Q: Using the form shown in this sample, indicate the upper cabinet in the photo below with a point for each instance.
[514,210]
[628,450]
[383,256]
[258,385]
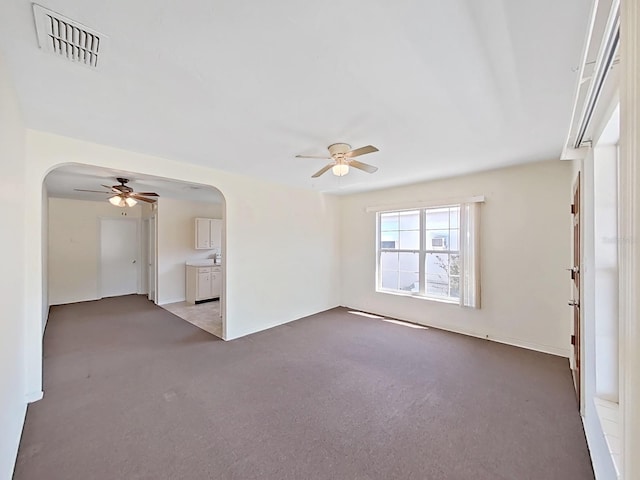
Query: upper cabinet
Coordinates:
[208,233]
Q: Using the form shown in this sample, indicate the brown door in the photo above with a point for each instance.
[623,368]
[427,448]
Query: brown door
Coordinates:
[575,276]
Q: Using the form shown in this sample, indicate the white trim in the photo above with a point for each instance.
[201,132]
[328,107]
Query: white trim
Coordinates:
[172,300]
[538,347]
[609,417]
[629,228]
[34,396]
[394,207]
[514,342]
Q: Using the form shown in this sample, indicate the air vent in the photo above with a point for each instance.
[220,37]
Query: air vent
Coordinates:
[67,38]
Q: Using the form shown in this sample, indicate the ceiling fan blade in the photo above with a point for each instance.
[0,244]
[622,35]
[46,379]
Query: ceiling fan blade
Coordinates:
[313,156]
[147,194]
[322,170]
[92,191]
[361,151]
[363,166]
[141,198]
[112,188]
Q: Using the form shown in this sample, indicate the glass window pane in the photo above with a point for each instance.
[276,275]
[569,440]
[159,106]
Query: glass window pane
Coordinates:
[389,261]
[455,217]
[437,274]
[389,240]
[454,265]
[437,219]
[455,287]
[388,221]
[390,279]
[455,244]
[409,262]
[437,289]
[410,220]
[409,282]
[410,240]
[437,240]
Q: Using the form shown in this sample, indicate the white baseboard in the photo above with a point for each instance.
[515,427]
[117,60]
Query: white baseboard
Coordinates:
[11,434]
[34,396]
[550,349]
[172,300]
[538,347]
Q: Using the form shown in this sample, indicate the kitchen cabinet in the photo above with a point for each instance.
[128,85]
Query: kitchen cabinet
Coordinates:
[203,283]
[208,233]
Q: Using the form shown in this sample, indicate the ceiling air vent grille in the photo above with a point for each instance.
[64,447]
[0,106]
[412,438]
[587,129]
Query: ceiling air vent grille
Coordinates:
[68,38]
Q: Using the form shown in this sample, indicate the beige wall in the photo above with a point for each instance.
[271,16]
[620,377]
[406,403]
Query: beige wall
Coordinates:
[525,247]
[74,247]
[176,243]
[12,258]
[282,255]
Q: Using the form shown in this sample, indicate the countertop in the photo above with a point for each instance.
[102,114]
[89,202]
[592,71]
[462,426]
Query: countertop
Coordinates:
[203,263]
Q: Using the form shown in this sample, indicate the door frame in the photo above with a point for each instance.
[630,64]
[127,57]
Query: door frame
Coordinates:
[576,277]
[153,239]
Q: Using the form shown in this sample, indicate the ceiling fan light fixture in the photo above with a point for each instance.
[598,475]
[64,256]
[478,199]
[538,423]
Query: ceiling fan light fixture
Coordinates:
[117,201]
[340,170]
[130,202]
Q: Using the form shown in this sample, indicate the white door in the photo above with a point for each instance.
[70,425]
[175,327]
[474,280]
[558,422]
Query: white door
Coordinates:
[118,256]
[151,260]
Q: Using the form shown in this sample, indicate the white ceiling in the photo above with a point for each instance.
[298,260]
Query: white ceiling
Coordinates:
[440,87]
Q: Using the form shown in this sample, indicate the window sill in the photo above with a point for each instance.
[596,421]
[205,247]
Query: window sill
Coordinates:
[450,301]
[608,414]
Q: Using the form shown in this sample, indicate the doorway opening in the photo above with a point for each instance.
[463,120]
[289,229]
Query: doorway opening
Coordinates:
[99,249]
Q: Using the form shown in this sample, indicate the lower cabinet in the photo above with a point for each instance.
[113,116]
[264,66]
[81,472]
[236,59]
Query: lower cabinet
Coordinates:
[203,283]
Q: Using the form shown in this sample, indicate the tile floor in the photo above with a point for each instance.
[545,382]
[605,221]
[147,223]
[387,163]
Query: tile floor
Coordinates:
[204,315]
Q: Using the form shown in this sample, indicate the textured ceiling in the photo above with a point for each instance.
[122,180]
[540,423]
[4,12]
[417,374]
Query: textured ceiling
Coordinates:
[440,87]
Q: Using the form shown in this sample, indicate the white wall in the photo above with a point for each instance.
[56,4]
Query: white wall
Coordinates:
[12,258]
[176,243]
[282,243]
[524,244]
[74,247]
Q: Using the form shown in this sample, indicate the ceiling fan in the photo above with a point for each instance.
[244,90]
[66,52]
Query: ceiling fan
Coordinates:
[342,158]
[123,195]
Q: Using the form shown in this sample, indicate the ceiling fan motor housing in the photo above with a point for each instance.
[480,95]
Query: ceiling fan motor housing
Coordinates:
[122,187]
[339,149]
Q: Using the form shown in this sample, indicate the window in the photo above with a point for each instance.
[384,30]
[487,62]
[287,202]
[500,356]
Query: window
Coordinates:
[422,252]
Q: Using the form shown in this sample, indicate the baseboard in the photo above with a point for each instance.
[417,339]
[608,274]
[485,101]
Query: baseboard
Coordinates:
[172,300]
[538,347]
[11,435]
[34,396]
[515,342]
[46,320]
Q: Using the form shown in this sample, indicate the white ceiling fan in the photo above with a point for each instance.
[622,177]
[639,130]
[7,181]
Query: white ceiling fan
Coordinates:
[342,158]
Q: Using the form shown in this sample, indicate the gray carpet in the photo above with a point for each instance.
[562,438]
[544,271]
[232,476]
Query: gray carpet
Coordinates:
[133,392]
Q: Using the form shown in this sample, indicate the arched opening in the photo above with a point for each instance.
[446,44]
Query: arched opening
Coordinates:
[98,247]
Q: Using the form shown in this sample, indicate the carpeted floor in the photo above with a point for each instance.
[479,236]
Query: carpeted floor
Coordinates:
[133,392]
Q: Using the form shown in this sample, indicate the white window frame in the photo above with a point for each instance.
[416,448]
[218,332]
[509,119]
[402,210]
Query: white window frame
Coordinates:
[468,246]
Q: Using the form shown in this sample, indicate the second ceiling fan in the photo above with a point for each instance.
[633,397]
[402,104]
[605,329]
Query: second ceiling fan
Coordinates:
[123,195]
[341,156]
